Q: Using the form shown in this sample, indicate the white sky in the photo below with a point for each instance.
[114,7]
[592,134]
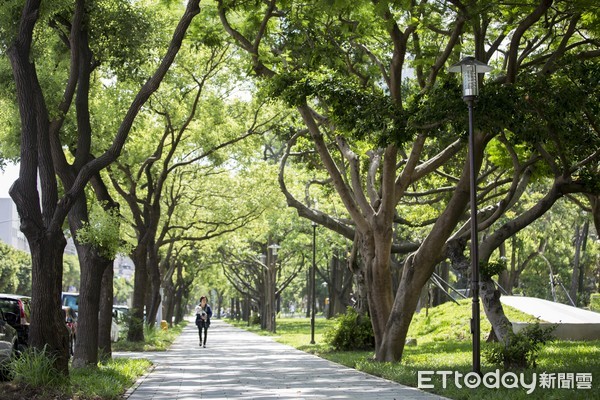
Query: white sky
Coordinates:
[7,177]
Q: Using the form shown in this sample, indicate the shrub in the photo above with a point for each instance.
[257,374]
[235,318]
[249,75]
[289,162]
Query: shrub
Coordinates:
[351,331]
[595,302]
[255,319]
[519,350]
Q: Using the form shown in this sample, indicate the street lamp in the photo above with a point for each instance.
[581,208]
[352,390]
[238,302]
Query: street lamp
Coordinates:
[272,279]
[470,69]
[312,284]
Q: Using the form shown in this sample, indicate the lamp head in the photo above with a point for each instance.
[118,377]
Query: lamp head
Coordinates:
[274,247]
[469,67]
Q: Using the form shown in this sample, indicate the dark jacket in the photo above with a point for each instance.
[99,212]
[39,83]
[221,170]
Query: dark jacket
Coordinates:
[200,322]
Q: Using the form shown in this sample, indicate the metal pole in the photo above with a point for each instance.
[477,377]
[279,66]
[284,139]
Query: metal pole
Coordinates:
[273,280]
[312,286]
[475,321]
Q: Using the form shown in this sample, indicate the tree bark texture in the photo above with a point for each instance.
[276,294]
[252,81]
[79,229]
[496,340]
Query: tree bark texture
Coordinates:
[135,331]
[105,316]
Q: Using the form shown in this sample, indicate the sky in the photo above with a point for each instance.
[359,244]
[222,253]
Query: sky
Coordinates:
[7,177]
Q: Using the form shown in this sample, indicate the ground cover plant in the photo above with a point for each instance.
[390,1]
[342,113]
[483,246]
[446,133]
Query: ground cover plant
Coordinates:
[443,343]
[33,378]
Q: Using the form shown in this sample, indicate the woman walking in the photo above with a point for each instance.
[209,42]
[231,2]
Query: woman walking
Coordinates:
[203,314]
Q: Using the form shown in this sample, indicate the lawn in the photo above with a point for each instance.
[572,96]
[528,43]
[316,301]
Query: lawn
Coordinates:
[444,344]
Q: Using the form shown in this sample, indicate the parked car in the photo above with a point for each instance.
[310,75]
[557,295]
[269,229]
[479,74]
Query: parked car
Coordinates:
[70,299]
[120,313]
[9,341]
[17,312]
[71,323]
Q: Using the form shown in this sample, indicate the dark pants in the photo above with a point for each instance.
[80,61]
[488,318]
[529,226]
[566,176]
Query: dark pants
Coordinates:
[203,327]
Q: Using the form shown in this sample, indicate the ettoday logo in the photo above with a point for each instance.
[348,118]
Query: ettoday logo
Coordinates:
[509,380]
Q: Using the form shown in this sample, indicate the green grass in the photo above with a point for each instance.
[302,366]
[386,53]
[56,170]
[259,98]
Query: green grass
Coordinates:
[33,377]
[155,339]
[444,344]
[108,381]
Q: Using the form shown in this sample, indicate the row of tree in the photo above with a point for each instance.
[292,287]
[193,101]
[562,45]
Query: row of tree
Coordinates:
[157,133]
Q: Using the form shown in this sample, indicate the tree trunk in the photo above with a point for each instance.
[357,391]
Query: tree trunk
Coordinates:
[169,301]
[92,269]
[48,329]
[105,317]
[136,322]
[154,298]
[405,304]
[441,295]
[219,305]
[420,265]
[576,266]
[490,298]
[179,291]
[339,287]
[376,250]
[38,214]
[595,204]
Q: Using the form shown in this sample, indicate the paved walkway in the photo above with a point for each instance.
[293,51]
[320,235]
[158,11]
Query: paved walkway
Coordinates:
[241,365]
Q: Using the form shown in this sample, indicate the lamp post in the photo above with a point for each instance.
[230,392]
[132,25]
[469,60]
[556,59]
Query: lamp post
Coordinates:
[272,278]
[470,69]
[312,284]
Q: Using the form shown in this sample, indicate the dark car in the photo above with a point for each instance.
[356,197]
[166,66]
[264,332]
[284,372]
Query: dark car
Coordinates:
[71,323]
[17,312]
[8,342]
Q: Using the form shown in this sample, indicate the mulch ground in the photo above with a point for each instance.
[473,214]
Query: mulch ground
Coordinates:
[15,391]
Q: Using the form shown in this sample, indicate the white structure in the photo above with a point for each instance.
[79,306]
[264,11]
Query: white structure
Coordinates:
[9,226]
[10,232]
[124,267]
[572,323]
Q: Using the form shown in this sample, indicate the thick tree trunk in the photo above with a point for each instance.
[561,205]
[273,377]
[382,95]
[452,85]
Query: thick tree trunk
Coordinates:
[179,294]
[136,322]
[48,329]
[154,298]
[376,250]
[105,316]
[169,301]
[92,269]
[405,304]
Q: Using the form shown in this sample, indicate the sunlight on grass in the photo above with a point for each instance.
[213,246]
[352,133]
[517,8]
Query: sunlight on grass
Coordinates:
[109,380]
[444,344]
[155,339]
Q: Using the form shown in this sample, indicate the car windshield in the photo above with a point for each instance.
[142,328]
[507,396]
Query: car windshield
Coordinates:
[8,305]
[71,300]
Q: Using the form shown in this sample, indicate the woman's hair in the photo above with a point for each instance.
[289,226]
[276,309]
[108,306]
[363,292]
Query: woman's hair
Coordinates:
[203,297]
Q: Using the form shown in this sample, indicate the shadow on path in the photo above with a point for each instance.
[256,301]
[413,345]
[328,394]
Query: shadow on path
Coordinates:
[241,365]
